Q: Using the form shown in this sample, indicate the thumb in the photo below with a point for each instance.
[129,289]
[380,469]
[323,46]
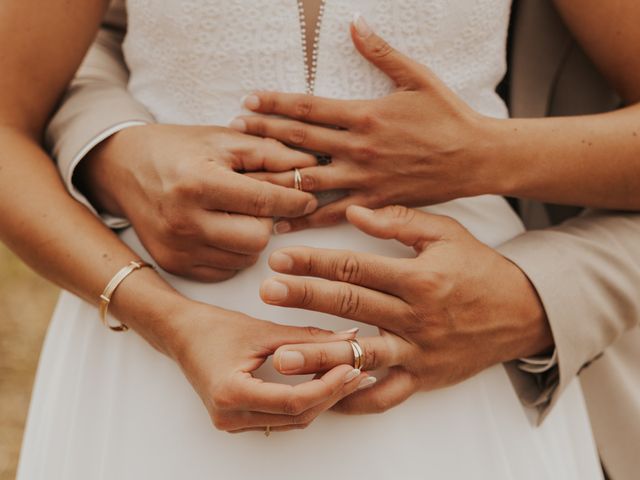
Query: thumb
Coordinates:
[406,73]
[409,226]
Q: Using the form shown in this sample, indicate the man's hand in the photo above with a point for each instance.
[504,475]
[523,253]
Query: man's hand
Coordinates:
[456,309]
[418,146]
[184,191]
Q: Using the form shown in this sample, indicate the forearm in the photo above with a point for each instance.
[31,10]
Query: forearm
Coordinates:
[599,155]
[61,240]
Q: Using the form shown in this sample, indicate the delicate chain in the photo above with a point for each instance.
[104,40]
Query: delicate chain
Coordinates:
[310,65]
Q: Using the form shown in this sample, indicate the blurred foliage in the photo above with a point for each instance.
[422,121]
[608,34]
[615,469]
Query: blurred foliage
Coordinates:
[26,304]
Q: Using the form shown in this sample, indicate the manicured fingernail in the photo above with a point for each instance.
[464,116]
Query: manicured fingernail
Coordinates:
[281,227]
[352,375]
[362,27]
[311,206]
[274,291]
[252,102]
[281,262]
[349,332]
[291,361]
[367,382]
[238,124]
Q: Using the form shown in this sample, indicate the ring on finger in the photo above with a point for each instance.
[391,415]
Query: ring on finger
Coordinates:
[358,354]
[297,179]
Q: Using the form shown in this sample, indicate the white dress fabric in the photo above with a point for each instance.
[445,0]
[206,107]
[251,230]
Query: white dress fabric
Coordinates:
[108,406]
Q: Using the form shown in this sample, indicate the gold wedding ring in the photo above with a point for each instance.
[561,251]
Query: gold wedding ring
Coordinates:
[297,179]
[267,431]
[358,354]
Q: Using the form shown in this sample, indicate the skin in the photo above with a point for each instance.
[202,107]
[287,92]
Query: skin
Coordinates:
[423,145]
[443,316]
[65,243]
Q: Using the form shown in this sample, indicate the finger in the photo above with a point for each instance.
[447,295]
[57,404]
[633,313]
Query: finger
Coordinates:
[363,269]
[239,420]
[326,216]
[406,73]
[217,258]
[292,132]
[241,194]
[335,176]
[239,235]
[306,108]
[378,352]
[409,226]
[389,392]
[259,154]
[337,298]
[253,394]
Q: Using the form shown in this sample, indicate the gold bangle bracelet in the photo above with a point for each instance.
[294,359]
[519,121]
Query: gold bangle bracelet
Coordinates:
[114,283]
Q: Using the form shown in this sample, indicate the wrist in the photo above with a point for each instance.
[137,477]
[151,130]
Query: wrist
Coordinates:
[105,168]
[500,172]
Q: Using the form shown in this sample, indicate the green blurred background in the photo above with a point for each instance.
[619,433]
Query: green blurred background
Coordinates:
[26,304]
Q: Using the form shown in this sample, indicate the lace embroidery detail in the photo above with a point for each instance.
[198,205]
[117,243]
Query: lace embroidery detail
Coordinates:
[192,61]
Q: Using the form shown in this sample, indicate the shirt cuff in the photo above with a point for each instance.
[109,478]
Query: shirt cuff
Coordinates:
[540,364]
[110,221]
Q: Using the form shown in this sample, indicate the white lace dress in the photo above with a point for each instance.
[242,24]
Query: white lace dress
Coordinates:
[108,406]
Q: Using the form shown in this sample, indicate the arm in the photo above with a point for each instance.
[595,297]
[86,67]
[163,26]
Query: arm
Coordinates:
[586,272]
[96,106]
[63,241]
[448,151]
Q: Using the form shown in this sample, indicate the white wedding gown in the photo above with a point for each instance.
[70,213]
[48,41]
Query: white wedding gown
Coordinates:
[108,406]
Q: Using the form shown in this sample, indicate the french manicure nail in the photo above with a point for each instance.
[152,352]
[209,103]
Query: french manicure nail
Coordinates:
[349,332]
[238,124]
[281,227]
[281,262]
[352,375]
[291,361]
[274,291]
[367,382]
[252,102]
[362,27]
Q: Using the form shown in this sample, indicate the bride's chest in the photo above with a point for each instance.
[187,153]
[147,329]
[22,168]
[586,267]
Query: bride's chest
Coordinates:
[241,45]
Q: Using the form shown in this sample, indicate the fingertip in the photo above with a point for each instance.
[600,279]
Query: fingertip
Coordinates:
[279,261]
[273,291]
[251,102]
[238,124]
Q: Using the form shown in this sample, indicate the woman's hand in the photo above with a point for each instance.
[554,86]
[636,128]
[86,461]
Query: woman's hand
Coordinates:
[454,310]
[182,189]
[218,350]
[420,145]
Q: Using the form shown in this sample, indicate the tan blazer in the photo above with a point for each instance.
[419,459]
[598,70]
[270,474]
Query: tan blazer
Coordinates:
[586,270]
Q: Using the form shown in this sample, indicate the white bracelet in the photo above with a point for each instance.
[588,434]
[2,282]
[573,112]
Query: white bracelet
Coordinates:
[114,283]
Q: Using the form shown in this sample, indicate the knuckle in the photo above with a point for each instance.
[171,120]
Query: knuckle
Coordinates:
[370,358]
[220,422]
[303,107]
[307,299]
[381,49]
[298,135]
[381,405]
[321,359]
[223,399]
[402,213]
[262,203]
[293,406]
[258,126]
[315,331]
[348,269]
[364,150]
[348,303]
[369,120]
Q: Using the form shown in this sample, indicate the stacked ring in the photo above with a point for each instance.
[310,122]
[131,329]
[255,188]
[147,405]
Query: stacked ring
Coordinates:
[297,179]
[358,354]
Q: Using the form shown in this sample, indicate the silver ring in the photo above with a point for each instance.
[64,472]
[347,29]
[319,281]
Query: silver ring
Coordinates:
[358,354]
[297,179]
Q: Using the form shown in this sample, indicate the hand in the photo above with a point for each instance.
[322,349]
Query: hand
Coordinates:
[181,188]
[454,310]
[420,145]
[218,350]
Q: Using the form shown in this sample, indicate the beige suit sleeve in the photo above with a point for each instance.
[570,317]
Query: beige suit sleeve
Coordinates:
[96,106]
[587,273]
